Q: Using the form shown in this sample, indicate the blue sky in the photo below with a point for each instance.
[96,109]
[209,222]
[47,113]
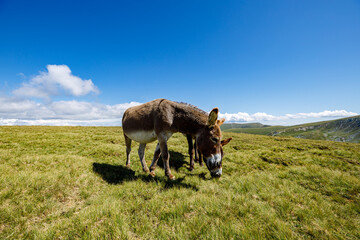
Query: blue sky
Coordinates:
[275,62]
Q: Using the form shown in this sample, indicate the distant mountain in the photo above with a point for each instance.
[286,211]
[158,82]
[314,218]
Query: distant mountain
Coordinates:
[242,125]
[340,130]
[268,130]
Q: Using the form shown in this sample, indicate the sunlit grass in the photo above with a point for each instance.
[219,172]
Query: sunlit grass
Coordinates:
[71,182]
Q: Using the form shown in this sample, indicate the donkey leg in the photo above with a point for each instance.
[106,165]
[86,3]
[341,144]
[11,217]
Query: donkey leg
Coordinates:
[200,158]
[165,156]
[155,160]
[141,152]
[196,152]
[191,151]
[128,150]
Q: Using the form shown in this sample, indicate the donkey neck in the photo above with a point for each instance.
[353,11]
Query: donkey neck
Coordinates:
[188,119]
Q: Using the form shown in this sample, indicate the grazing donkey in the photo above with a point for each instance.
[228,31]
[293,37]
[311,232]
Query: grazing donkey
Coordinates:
[160,118]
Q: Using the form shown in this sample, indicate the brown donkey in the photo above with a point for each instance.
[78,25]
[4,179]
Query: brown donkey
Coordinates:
[160,118]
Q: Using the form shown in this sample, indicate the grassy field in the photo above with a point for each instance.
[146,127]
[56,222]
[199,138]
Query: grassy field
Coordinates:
[341,130]
[227,126]
[345,129]
[260,131]
[71,183]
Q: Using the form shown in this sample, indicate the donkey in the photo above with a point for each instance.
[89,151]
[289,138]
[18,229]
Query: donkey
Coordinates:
[194,150]
[160,118]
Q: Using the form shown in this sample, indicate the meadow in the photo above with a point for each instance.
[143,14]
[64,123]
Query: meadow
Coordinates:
[340,130]
[72,183]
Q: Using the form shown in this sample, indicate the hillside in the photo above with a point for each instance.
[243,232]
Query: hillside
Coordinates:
[340,130]
[260,131]
[71,183]
[242,125]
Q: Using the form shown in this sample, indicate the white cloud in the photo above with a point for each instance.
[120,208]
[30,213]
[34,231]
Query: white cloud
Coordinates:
[56,80]
[61,122]
[15,108]
[9,105]
[245,117]
[28,112]
[336,113]
[261,117]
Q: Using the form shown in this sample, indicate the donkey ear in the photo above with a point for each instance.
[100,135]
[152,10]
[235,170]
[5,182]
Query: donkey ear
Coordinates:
[220,122]
[212,117]
[226,141]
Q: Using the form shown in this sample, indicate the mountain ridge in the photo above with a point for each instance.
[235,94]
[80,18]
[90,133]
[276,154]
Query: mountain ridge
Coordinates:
[340,130]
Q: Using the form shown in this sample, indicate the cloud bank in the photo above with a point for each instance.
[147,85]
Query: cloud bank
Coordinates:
[27,112]
[31,104]
[261,117]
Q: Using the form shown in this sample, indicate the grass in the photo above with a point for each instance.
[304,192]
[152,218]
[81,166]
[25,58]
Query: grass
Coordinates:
[227,126]
[259,131]
[71,183]
[341,130]
[346,129]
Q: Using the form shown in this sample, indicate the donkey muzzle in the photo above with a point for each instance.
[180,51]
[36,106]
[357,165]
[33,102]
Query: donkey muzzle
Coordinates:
[216,173]
[214,165]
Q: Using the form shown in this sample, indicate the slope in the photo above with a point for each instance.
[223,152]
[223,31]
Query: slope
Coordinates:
[341,130]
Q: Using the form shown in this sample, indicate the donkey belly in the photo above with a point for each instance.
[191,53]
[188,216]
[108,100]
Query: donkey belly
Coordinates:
[142,136]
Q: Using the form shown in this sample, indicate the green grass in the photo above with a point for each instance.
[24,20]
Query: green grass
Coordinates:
[71,183]
[259,131]
[345,129]
[341,130]
[227,126]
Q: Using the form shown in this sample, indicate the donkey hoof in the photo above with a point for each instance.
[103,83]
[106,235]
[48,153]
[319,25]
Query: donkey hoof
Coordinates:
[152,173]
[191,169]
[128,165]
[146,170]
[171,177]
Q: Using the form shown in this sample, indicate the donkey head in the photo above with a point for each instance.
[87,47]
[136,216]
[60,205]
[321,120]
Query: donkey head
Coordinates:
[210,144]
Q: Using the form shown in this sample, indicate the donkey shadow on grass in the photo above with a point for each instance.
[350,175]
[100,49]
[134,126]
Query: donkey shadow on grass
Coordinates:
[118,174]
[176,161]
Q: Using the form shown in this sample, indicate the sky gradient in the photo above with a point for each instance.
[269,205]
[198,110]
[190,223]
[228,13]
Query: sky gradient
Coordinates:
[85,62]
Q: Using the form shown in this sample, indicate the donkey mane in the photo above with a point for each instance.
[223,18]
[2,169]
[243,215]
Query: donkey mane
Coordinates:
[193,107]
[189,118]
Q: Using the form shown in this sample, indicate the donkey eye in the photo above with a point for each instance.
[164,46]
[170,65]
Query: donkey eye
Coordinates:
[215,140]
